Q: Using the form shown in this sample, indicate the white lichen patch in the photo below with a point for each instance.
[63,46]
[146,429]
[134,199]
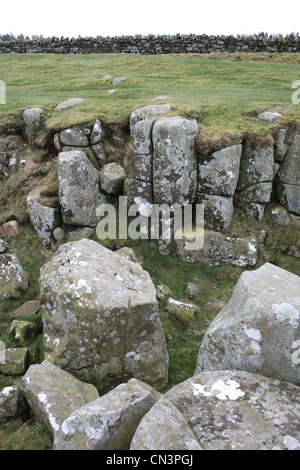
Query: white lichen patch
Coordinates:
[229,390]
[286,311]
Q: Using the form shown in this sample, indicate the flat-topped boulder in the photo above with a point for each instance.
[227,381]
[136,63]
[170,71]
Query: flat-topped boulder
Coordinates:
[223,410]
[101,317]
[259,328]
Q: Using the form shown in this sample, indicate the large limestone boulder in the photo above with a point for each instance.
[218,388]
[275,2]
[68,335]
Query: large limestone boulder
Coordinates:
[53,394]
[101,318]
[258,329]
[174,161]
[79,189]
[13,279]
[223,410]
[109,422]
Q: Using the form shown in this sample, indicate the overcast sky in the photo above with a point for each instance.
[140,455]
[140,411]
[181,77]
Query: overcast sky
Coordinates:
[72,18]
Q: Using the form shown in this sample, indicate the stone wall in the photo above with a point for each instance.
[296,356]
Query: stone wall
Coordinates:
[163,44]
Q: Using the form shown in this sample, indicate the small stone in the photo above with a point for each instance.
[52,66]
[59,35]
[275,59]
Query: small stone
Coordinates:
[162,291]
[269,117]
[59,234]
[15,363]
[22,333]
[10,229]
[28,309]
[13,279]
[192,290]
[183,312]
[68,104]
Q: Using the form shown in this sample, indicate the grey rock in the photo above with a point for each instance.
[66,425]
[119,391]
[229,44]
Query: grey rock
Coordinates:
[162,291]
[181,311]
[269,116]
[74,137]
[280,215]
[80,233]
[218,211]
[101,318]
[257,328]
[44,219]
[257,193]
[138,192]
[118,80]
[217,250]
[280,147]
[97,133]
[12,404]
[59,234]
[79,189]
[53,394]
[15,361]
[289,172]
[219,173]
[68,104]
[253,210]
[141,135]
[218,410]
[192,290]
[99,152]
[109,422]
[289,196]
[56,142]
[164,428]
[112,177]
[148,113]
[13,279]
[33,124]
[256,166]
[174,161]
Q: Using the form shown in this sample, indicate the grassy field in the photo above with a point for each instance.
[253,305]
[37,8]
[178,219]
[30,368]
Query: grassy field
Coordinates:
[222,91]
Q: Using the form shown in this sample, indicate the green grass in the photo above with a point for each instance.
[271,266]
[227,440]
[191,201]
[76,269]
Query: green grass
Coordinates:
[223,91]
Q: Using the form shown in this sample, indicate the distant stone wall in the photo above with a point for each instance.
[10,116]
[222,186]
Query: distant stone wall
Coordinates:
[150,44]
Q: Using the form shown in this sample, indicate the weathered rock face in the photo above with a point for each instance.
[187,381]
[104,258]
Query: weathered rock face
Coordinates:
[219,173]
[288,178]
[257,331]
[174,161]
[12,403]
[33,124]
[112,177]
[13,279]
[255,179]
[218,249]
[101,318]
[109,422]
[79,189]
[223,410]
[74,137]
[44,219]
[53,394]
